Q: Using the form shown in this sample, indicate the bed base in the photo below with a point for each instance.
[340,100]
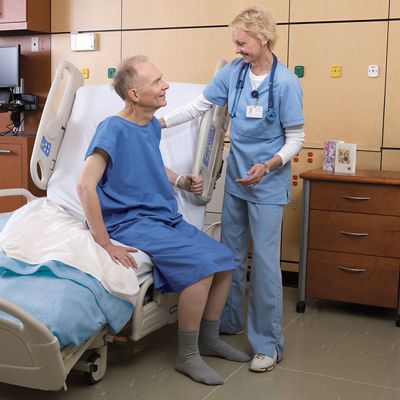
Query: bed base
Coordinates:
[30,354]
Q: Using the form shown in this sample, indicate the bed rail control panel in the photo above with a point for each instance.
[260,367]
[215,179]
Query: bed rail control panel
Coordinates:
[210,145]
[45,146]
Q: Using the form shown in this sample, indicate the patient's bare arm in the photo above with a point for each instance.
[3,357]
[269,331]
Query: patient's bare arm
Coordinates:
[189,183]
[92,171]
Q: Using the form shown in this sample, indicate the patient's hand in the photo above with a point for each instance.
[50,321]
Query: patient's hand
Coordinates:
[191,183]
[120,255]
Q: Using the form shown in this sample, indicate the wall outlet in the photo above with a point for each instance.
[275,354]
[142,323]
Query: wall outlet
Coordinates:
[110,72]
[336,71]
[373,71]
[85,73]
[299,71]
[35,43]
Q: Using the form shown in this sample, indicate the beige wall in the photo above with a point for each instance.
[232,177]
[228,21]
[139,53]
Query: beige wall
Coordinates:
[394,8]
[161,13]
[88,15]
[350,107]
[185,38]
[391,136]
[337,10]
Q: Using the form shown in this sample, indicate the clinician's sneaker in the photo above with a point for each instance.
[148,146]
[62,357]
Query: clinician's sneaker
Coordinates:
[232,333]
[263,363]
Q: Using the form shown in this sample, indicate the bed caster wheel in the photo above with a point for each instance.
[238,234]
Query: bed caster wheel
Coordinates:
[398,320]
[300,306]
[96,370]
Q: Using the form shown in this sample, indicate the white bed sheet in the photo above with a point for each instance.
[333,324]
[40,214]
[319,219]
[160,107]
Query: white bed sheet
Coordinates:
[42,231]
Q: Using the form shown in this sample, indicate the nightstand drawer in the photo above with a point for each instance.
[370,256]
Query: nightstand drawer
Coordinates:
[353,278]
[376,235]
[355,197]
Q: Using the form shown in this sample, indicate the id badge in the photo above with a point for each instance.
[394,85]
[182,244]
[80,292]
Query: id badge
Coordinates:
[254,111]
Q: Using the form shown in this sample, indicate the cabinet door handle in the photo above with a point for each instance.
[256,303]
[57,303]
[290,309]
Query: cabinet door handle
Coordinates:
[354,233]
[355,197]
[5,151]
[352,269]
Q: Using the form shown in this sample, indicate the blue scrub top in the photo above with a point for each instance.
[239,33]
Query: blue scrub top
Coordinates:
[134,184]
[256,140]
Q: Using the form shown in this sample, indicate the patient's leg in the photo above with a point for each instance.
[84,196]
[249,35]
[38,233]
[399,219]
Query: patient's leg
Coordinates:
[191,305]
[210,343]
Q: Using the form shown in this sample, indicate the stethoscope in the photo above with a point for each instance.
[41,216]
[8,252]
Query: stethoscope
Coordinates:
[271,113]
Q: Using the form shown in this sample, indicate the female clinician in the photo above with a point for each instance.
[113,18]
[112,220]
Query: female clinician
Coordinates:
[266,131]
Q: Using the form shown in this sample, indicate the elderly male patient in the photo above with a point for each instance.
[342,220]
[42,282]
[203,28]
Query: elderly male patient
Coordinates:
[126,193]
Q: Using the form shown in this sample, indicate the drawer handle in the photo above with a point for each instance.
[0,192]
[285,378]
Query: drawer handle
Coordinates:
[5,151]
[355,198]
[352,269]
[354,233]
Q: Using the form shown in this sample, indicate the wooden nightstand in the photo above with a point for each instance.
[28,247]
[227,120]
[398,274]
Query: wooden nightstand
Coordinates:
[15,154]
[350,244]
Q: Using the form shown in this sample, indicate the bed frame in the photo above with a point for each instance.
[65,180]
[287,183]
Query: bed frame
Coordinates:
[30,354]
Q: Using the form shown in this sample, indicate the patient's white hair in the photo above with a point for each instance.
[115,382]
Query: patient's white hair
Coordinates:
[125,77]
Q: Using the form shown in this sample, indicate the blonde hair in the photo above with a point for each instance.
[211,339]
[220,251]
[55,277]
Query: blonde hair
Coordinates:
[126,75]
[258,23]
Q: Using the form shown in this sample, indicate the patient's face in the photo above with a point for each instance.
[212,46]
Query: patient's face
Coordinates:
[152,86]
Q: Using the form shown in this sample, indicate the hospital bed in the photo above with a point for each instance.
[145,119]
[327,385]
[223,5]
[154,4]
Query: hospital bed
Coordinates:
[31,353]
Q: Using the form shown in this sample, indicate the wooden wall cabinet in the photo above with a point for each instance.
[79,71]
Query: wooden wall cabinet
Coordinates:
[15,154]
[25,15]
[350,238]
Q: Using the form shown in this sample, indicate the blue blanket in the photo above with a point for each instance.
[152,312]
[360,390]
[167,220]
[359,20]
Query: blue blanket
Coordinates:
[72,304]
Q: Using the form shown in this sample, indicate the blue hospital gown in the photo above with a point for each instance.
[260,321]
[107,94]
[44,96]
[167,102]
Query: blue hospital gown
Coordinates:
[140,210]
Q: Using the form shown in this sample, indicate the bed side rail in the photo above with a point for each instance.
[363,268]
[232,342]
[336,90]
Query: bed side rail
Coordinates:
[29,354]
[18,192]
[209,146]
[53,123]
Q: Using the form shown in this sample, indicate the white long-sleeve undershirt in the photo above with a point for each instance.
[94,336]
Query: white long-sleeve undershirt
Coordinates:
[294,135]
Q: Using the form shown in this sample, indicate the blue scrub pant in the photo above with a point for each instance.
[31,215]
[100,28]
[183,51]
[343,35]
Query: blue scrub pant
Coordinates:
[242,220]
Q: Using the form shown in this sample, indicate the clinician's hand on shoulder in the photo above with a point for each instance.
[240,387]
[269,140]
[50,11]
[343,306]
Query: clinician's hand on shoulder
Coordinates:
[192,184]
[161,122]
[120,255]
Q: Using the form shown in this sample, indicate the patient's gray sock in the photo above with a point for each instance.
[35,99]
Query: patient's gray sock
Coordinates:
[189,361]
[210,343]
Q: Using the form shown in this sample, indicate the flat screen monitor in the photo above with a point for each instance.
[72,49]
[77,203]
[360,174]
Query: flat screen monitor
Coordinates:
[9,71]
[9,66]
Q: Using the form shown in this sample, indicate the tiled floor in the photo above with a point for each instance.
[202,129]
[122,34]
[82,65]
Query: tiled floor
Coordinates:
[333,351]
